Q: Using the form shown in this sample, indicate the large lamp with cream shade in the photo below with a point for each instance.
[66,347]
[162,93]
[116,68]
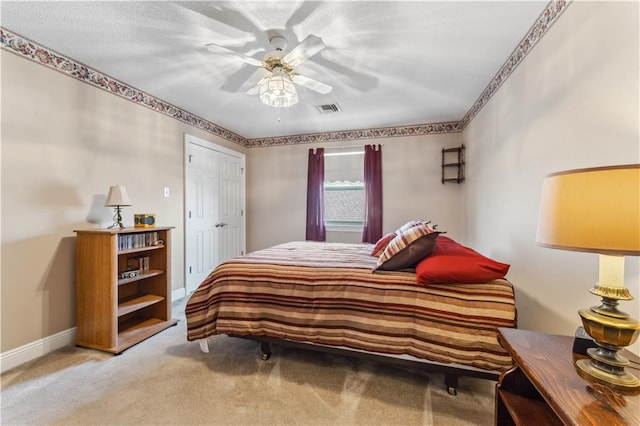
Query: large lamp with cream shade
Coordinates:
[597,210]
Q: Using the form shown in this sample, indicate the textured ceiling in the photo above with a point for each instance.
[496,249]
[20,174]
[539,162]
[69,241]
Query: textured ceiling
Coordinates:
[390,63]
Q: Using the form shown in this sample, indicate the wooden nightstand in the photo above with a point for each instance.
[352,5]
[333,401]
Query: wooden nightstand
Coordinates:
[544,387]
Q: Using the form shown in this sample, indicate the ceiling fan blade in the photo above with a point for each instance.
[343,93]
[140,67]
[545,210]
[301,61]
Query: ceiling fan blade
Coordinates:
[303,51]
[243,79]
[312,84]
[215,48]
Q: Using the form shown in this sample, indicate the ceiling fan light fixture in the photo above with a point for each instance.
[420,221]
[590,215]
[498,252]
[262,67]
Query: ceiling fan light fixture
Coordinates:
[278,91]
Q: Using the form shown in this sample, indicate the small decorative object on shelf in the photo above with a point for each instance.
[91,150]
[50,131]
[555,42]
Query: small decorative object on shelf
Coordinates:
[144,220]
[129,274]
[453,164]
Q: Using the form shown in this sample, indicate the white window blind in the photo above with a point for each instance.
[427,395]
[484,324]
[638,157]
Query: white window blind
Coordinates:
[344,189]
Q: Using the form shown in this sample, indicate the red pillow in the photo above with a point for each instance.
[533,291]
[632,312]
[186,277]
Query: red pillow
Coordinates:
[382,244]
[451,262]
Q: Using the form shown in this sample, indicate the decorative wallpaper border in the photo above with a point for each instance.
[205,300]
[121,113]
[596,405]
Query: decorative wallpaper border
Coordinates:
[549,15]
[547,18]
[42,55]
[382,132]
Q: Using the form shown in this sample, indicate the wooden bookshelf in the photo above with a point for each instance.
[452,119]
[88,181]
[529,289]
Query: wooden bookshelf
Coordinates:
[114,312]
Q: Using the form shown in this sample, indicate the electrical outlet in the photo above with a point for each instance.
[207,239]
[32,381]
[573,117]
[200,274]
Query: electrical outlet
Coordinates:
[167,192]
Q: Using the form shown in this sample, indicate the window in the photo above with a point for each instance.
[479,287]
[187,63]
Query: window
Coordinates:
[344,189]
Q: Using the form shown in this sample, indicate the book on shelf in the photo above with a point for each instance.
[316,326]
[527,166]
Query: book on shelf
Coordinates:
[138,263]
[141,240]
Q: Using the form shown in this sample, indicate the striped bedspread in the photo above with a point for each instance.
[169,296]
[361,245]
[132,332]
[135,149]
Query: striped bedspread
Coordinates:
[326,293]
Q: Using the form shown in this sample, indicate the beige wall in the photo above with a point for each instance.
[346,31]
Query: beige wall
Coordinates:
[572,103]
[63,144]
[277,188]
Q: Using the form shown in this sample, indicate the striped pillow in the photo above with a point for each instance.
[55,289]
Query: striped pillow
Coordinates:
[408,248]
[411,224]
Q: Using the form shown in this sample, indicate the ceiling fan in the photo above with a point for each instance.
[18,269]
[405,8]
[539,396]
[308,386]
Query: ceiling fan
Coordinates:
[277,87]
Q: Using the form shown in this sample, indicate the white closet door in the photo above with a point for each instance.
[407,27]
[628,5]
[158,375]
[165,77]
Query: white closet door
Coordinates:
[231,206]
[214,209]
[203,213]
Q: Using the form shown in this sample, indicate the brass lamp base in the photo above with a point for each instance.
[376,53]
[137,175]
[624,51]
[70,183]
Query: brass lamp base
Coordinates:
[612,330]
[625,380]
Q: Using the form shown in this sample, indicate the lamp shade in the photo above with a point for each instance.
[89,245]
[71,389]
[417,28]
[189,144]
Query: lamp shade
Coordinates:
[117,197]
[593,210]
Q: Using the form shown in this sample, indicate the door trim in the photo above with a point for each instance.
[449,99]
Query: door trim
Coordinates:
[190,139]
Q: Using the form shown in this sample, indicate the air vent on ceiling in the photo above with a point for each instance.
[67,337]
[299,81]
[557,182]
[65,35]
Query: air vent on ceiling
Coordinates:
[328,108]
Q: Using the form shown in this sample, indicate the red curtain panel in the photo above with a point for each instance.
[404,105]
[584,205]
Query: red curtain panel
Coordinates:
[372,230]
[316,230]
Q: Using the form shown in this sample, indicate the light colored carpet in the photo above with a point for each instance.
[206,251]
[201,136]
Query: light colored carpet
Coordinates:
[167,380]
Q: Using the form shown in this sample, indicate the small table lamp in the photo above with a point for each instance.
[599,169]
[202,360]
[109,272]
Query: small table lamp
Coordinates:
[598,210]
[117,198]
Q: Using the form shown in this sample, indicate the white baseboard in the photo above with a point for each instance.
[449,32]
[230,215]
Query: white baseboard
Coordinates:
[178,294]
[33,350]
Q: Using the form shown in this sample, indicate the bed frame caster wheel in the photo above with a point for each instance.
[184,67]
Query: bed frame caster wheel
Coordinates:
[265,348]
[451,383]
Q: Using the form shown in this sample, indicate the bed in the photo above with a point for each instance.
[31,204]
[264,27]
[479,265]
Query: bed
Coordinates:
[326,296]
